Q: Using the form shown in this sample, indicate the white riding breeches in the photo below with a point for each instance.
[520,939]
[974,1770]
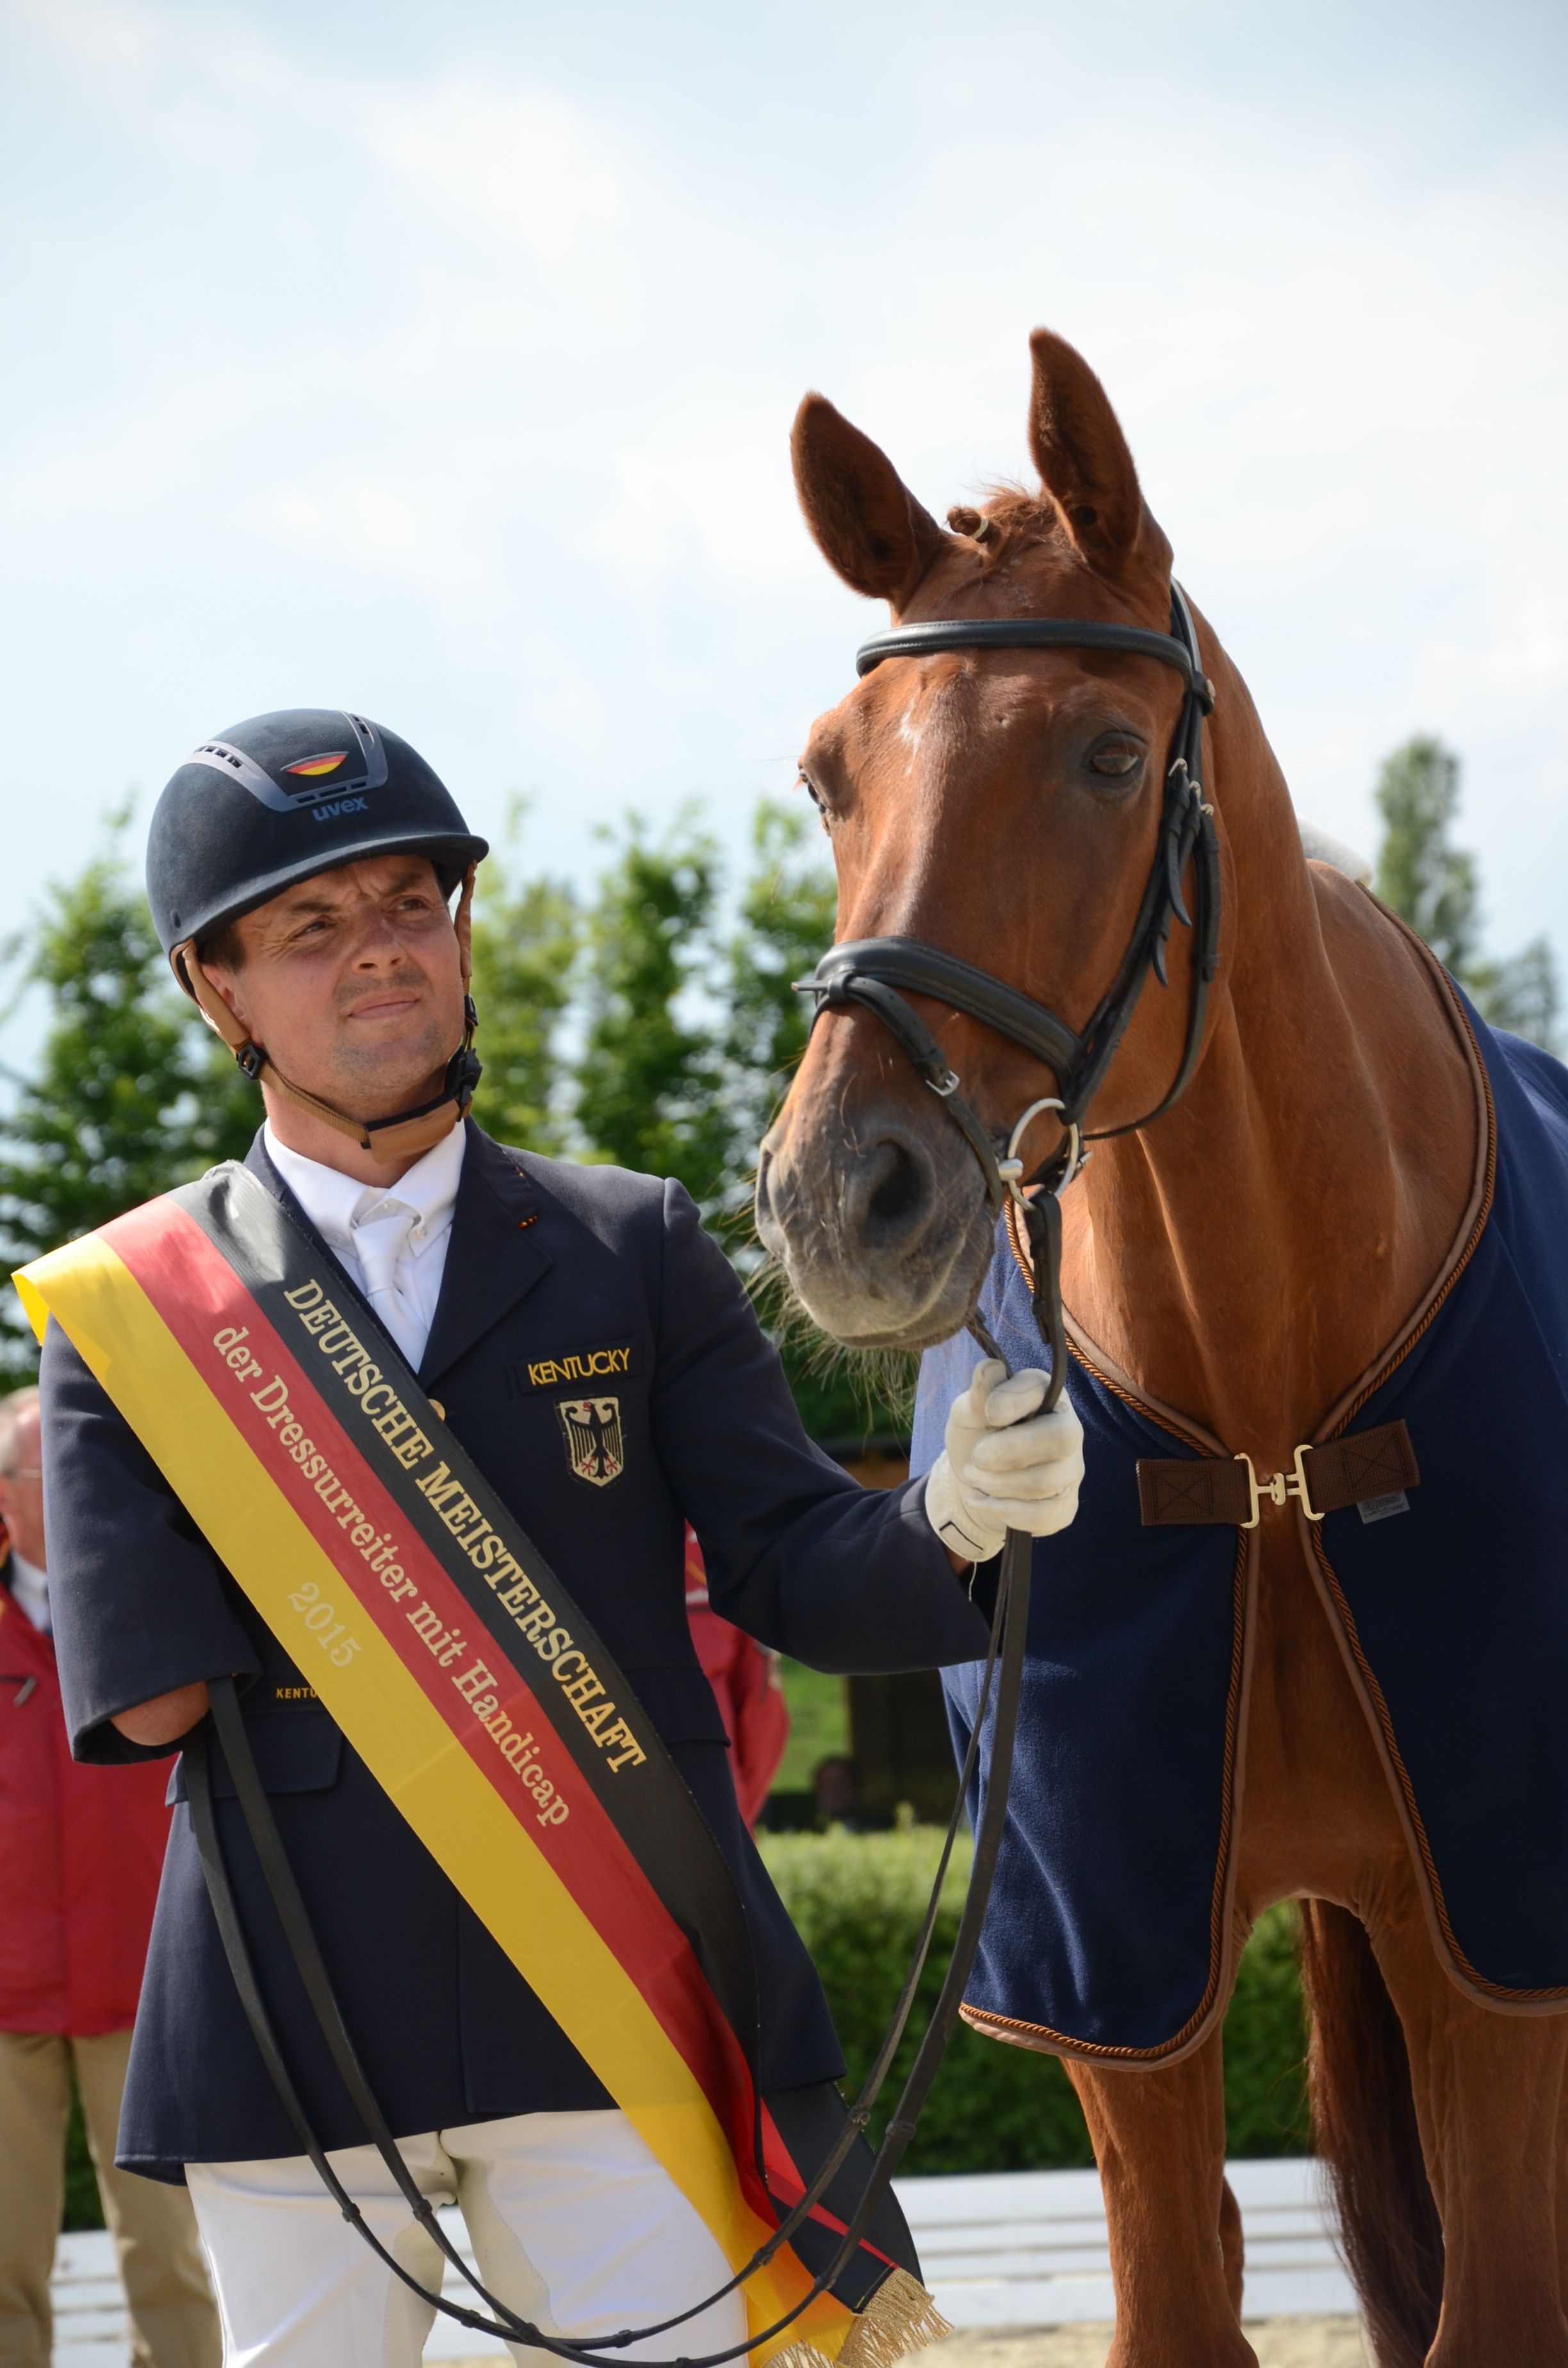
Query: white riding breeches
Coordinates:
[573,2224]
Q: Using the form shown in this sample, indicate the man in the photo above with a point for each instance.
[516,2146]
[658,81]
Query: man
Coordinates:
[80,1854]
[590,1350]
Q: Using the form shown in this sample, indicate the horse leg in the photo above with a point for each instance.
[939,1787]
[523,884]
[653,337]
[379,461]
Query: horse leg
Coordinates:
[1488,2090]
[1176,2253]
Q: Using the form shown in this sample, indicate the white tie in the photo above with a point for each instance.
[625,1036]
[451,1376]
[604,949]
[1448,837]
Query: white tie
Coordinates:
[380,1239]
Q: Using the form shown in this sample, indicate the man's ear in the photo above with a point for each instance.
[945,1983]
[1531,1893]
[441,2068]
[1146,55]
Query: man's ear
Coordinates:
[867,525]
[216,991]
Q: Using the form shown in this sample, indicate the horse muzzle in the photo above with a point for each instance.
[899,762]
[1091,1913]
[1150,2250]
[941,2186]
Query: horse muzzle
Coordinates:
[881,1222]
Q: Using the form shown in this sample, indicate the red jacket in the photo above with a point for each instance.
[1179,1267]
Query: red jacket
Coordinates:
[81,1850]
[744,1677]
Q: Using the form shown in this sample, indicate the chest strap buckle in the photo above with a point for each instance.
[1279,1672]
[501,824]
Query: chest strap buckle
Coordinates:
[1279,1487]
[1188,1490]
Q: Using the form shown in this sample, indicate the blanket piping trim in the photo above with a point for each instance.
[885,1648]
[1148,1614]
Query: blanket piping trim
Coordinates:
[1038,2035]
[1371,1691]
[1425,1868]
[1471,1225]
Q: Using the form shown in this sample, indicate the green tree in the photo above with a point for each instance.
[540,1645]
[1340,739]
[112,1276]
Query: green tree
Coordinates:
[528,938]
[132,1094]
[1430,884]
[1520,992]
[1437,888]
[787,911]
[650,1081]
[785,926]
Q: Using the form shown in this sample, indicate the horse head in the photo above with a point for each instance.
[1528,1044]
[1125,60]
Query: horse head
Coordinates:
[1001,805]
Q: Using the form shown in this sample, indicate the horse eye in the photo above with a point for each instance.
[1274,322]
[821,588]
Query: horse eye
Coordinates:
[1115,760]
[805,782]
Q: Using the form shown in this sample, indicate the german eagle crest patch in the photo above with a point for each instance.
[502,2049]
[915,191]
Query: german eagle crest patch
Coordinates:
[596,1444]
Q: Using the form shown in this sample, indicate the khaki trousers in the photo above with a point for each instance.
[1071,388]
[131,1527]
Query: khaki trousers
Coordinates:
[173,2321]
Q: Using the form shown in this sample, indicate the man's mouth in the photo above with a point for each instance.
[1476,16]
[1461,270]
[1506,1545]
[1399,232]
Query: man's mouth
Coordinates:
[382,1003]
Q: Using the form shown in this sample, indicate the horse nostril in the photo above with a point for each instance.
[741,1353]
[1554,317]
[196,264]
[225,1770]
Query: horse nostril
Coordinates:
[898,1190]
[895,1192]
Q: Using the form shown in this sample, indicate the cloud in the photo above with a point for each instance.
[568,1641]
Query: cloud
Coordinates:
[514,170]
[450,355]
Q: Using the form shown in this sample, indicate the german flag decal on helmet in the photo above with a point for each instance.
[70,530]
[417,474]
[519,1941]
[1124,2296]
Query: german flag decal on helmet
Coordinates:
[313,768]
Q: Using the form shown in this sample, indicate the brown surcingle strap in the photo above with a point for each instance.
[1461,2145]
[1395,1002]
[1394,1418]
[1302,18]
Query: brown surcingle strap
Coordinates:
[392,1138]
[1361,1469]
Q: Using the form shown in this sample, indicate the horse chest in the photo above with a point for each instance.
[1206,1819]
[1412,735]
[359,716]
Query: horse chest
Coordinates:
[1316,1815]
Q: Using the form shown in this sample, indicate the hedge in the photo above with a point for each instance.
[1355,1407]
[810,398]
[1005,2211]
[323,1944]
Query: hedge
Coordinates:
[856,1900]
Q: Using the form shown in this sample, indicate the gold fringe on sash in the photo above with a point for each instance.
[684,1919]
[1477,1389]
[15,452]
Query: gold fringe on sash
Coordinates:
[901,2318]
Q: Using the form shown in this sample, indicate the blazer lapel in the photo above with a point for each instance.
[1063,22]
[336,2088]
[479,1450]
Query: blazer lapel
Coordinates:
[494,1255]
[260,1166]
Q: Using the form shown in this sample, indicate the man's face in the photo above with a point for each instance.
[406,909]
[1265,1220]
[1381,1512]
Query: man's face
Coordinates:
[351,983]
[21,1490]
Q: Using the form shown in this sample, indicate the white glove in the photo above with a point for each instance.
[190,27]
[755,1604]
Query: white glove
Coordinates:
[1004,1466]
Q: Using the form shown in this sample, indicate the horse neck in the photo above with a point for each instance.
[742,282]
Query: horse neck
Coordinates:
[1245,1258]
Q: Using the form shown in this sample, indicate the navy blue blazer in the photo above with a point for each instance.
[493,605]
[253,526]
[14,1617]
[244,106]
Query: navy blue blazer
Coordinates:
[545,1262]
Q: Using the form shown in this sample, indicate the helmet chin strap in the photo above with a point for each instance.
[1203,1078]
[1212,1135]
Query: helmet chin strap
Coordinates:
[404,1131]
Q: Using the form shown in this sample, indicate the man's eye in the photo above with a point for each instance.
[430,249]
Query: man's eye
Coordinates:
[1115,760]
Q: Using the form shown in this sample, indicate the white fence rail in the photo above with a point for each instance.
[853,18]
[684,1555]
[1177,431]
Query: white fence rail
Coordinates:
[1015,2249]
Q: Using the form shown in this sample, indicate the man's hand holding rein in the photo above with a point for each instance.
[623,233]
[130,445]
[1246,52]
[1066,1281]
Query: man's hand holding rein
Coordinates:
[1004,1466]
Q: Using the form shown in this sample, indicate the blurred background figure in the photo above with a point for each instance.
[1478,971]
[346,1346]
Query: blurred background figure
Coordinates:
[81,1850]
[836,1789]
[745,1678]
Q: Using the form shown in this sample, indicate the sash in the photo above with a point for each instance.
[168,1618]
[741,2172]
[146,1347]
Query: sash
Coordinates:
[453,1660]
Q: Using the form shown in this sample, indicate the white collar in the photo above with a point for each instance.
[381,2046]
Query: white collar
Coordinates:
[336,1204]
[30,1586]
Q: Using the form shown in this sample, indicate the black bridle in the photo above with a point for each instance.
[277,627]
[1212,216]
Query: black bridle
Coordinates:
[876,973]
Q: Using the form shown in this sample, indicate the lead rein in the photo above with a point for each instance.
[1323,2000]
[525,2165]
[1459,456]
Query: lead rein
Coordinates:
[1006,1654]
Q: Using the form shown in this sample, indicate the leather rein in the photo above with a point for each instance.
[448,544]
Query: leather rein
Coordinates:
[876,973]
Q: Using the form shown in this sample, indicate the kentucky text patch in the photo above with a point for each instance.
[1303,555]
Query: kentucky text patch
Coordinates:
[606,1361]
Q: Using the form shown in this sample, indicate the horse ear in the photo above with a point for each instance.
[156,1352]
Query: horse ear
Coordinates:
[867,523]
[1082,456]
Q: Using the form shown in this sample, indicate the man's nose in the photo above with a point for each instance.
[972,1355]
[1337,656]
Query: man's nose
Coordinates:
[378,943]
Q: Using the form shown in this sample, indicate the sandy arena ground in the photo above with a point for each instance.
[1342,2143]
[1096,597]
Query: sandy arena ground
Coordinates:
[1278,2343]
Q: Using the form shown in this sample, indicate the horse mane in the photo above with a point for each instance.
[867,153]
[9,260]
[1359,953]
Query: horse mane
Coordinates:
[1009,515]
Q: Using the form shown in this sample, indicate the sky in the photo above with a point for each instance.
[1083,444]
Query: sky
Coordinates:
[439,360]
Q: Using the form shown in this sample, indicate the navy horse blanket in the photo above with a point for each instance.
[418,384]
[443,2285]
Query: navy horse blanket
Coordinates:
[1106,1925]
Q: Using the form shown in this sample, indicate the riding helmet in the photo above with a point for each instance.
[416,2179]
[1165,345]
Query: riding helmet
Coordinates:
[281,797]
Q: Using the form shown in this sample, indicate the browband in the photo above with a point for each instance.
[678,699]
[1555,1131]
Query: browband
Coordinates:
[1042,634]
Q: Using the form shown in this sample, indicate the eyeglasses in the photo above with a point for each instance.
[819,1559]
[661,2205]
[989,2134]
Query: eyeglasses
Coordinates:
[22,1472]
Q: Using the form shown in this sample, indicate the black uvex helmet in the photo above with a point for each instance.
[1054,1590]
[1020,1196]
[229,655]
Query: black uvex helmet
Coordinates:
[274,800]
[279,798]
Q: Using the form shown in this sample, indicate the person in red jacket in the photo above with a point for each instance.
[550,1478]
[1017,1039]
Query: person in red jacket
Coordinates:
[745,1678]
[81,1850]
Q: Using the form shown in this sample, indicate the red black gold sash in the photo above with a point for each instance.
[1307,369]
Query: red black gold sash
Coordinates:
[479,1698]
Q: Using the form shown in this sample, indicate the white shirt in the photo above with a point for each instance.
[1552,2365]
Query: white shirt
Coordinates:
[371,1227]
[31,1587]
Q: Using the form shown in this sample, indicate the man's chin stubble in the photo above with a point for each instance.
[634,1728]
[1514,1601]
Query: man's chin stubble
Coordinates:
[367,1082]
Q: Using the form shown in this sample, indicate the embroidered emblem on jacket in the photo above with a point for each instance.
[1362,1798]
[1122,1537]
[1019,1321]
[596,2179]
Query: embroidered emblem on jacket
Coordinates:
[595,1445]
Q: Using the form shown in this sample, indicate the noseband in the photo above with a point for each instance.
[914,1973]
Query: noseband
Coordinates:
[875,974]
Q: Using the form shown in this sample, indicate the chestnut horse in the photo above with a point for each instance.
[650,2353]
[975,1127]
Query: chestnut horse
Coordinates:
[1243,1259]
